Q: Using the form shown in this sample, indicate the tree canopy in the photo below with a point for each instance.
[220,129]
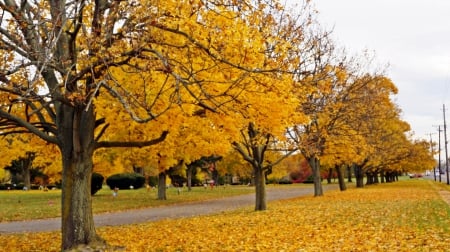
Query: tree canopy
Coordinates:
[174,81]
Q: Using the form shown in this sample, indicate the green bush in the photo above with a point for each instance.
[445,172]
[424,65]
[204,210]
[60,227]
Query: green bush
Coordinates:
[96,182]
[125,181]
[153,181]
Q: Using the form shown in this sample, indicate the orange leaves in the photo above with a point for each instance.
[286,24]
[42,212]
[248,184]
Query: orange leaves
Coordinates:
[383,218]
[405,216]
[46,241]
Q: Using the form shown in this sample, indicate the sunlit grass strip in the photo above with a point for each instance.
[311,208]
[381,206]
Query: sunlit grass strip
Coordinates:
[403,216]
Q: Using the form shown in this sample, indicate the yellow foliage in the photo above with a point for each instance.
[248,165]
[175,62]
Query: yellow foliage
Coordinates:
[47,156]
[5,176]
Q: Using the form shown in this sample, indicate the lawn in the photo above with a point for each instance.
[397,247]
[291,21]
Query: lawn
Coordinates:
[35,204]
[408,215]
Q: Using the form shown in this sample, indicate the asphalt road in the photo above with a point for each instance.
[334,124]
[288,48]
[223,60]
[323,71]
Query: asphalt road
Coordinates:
[163,212]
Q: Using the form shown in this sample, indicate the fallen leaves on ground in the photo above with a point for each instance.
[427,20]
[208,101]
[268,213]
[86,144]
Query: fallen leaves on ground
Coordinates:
[403,216]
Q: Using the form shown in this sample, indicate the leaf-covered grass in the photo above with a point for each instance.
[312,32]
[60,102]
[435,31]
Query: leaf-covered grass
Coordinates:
[25,205]
[402,216]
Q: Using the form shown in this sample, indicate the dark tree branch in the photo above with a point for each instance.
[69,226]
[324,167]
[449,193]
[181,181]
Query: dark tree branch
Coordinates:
[29,126]
[107,144]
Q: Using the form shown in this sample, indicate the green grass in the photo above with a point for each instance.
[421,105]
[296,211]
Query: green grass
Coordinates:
[103,201]
[25,205]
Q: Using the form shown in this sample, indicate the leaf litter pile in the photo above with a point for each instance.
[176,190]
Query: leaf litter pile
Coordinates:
[402,216]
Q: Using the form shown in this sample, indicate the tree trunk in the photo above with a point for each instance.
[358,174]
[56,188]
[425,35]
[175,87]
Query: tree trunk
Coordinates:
[189,177]
[27,163]
[349,174]
[215,175]
[375,178]
[260,189]
[369,179]
[359,175]
[77,148]
[162,186]
[390,177]
[330,175]
[341,180]
[315,166]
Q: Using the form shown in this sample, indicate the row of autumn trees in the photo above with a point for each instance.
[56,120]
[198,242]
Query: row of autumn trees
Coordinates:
[180,80]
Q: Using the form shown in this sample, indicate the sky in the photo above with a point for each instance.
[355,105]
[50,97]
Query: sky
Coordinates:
[411,38]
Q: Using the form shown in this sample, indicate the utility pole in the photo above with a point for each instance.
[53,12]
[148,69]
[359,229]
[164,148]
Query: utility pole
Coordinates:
[439,130]
[439,154]
[446,151]
[432,154]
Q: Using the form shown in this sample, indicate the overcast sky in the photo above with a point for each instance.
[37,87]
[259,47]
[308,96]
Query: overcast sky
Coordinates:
[413,38]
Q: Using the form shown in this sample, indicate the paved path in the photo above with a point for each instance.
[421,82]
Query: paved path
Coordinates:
[163,212]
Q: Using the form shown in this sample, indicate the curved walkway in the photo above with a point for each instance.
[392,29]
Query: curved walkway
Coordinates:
[163,212]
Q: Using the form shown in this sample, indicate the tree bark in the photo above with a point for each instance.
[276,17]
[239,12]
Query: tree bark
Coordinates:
[383,177]
[359,175]
[315,166]
[189,177]
[330,175]
[27,164]
[369,179]
[349,174]
[77,138]
[162,186]
[260,189]
[375,177]
[341,179]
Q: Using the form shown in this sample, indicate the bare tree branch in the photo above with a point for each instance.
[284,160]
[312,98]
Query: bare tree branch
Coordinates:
[105,144]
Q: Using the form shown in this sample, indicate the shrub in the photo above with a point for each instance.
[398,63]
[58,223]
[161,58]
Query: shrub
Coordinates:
[153,181]
[125,180]
[96,182]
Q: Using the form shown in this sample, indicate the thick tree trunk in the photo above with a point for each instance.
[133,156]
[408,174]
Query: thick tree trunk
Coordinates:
[341,179]
[77,218]
[315,166]
[162,186]
[77,138]
[260,189]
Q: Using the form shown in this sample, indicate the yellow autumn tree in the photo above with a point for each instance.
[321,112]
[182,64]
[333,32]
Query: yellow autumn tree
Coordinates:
[328,108]
[272,107]
[34,154]
[65,58]
[418,159]
[378,121]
